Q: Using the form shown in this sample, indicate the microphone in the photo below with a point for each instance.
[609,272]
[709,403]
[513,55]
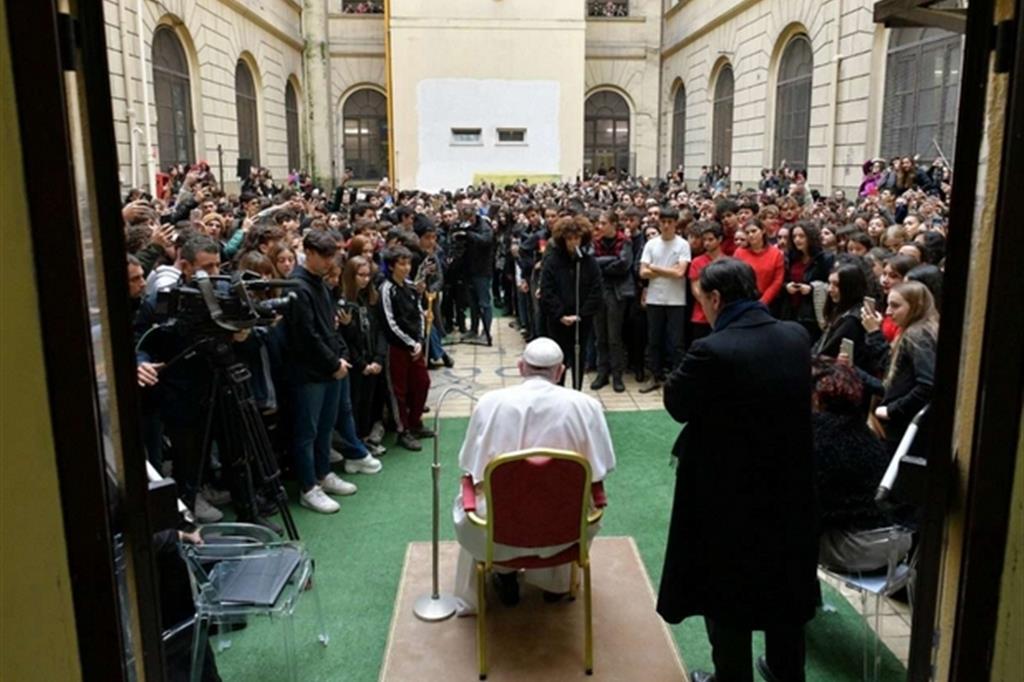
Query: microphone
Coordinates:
[579,254]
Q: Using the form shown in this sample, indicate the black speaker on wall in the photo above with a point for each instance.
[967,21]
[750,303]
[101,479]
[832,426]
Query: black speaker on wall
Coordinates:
[244,166]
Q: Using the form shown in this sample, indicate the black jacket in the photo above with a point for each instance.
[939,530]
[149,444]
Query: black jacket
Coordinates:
[314,346]
[529,249]
[910,388]
[365,337]
[401,314]
[558,285]
[476,250]
[846,326]
[743,539]
[617,270]
[817,270]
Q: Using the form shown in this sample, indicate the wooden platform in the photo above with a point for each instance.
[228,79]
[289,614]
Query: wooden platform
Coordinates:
[535,640]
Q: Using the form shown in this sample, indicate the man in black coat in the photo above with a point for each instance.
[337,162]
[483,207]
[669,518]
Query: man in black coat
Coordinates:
[742,546]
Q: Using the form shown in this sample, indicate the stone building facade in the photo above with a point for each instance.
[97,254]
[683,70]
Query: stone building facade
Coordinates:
[665,83]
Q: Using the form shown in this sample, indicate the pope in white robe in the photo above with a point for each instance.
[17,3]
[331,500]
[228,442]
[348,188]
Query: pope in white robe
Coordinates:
[535,414]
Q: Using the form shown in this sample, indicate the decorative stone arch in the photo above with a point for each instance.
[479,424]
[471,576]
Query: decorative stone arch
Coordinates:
[343,100]
[721,65]
[792,31]
[184,36]
[250,62]
[631,118]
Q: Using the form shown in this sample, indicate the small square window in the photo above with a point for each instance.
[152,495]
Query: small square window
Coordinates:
[512,135]
[466,136]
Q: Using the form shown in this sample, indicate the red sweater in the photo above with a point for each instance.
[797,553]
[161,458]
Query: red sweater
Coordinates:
[769,267]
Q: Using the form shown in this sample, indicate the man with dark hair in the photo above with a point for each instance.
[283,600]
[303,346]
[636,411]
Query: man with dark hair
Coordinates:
[711,250]
[317,365]
[726,215]
[406,218]
[663,264]
[743,541]
[473,240]
[404,326]
[362,211]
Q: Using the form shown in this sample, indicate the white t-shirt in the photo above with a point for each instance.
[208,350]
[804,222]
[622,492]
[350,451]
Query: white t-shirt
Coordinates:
[666,254]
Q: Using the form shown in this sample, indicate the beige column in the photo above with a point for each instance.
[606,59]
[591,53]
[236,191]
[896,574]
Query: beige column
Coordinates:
[318,128]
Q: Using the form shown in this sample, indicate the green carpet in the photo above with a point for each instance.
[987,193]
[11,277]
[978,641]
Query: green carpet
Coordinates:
[359,554]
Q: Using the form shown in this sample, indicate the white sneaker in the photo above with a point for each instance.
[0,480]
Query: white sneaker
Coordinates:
[376,450]
[214,496]
[315,499]
[335,456]
[336,485]
[376,434]
[206,512]
[365,465]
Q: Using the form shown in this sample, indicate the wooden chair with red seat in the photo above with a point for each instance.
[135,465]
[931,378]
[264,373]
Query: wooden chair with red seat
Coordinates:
[536,498]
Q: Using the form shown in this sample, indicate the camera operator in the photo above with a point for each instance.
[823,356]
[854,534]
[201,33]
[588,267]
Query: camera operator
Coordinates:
[185,382]
[317,366]
[473,240]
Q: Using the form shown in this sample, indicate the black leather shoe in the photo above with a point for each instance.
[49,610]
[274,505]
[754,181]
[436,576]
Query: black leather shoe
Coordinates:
[554,597]
[507,587]
[447,361]
[701,676]
[617,384]
[600,382]
[765,671]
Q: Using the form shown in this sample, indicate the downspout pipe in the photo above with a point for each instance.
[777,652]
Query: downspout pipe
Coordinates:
[833,105]
[129,100]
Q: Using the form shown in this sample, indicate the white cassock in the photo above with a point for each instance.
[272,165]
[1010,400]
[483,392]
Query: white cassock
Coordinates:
[534,414]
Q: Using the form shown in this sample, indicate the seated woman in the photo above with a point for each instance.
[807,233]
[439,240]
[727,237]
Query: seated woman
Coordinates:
[856,536]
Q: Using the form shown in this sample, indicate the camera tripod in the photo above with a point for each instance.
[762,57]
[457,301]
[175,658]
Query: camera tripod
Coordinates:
[242,437]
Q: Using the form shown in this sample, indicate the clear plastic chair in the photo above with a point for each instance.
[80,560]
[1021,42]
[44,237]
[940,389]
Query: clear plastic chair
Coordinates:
[282,570]
[899,574]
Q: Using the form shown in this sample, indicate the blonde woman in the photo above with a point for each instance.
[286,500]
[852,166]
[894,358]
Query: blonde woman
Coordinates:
[910,376]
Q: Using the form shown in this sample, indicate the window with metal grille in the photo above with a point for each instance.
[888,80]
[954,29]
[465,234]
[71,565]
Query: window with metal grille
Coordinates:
[679,128]
[608,8]
[365,132]
[922,88]
[466,135]
[511,135]
[246,109]
[173,94]
[793,104]
[291,121]
[721,141]
[606,132]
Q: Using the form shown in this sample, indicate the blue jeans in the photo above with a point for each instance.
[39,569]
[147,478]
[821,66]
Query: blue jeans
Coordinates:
[436,349]
[316,411]
[480,303]
[352,447]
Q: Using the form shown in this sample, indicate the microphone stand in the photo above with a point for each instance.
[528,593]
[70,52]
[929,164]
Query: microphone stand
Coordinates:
[435,606]
[577,375]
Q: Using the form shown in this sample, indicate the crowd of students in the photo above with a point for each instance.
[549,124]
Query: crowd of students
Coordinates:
[603,265]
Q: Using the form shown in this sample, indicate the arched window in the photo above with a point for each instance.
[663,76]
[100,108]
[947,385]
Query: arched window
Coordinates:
[721,143]
[922,87]
[793,104]
[366,134]
[679,128]
[291,122]
[245,105]
[173,99]
[606,133]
